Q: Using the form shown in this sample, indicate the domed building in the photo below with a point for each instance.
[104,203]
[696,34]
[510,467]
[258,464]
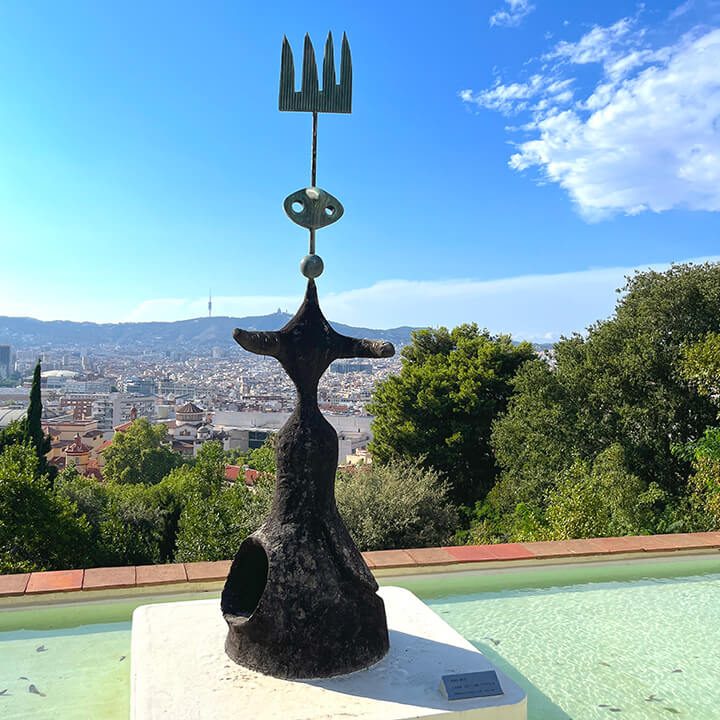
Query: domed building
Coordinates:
[188,420]
[77,454]
[192,428]
[189,413]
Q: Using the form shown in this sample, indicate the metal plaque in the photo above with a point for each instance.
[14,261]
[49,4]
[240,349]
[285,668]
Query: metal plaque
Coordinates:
[463,686]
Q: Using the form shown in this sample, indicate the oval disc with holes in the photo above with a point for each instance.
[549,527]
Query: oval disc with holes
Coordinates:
[313,208]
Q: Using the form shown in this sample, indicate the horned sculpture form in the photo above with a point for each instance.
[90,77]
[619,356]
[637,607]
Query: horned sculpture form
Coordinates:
[299,600]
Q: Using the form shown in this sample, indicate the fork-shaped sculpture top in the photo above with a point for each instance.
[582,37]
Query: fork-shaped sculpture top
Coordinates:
[334,97]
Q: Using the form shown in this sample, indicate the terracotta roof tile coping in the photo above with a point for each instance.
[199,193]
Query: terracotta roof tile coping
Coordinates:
[388,558]
[110,577]
[431,556]
[207,571]
[144,575]
[485,553]
[160,574]
[13,584]
[55,581]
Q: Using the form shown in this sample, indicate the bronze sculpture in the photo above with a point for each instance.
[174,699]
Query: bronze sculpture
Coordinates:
[299,600]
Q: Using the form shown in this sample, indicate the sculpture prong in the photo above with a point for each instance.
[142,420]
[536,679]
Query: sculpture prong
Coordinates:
[328,65]
[287,75]
[345,87]
[309,71]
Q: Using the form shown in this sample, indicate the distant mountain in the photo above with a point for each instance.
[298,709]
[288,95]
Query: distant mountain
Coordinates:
[21,332]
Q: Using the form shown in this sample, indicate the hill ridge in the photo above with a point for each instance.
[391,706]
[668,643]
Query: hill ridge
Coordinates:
[202,332]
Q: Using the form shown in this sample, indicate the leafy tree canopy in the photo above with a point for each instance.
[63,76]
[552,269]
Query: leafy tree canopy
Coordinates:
[441,405]
[137,523]
[700,364]
[29,430]
[213,528]
[261,459]
[587,499]
[621,384]
[38,529]
[140,455]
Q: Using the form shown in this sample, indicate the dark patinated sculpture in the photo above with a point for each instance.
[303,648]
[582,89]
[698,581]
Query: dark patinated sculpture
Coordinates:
[299,600]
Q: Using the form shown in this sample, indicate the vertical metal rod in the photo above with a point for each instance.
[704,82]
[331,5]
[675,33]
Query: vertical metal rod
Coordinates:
[313,172]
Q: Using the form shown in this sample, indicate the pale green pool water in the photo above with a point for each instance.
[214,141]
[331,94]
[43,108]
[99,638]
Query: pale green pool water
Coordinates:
[636,641]
[638,649]
[77,656]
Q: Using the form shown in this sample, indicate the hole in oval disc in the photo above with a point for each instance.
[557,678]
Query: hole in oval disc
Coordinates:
[298,207]
[329,210]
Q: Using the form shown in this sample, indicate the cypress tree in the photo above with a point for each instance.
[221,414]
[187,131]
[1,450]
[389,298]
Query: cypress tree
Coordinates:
[34,434]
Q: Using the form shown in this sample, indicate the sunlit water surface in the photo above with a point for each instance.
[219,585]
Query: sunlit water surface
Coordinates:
[628,641]
[639,650]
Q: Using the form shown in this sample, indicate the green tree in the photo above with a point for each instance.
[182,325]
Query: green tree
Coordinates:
[704,483]
[235,456]
[133,525]
[537,437]
[621,384]
[29,430]
[700,364]
[397,505]
[201,480]
[441,405]
[262,459]
[34,432]
[209,467]
[587,499]
[128,522]
[140,455]
[13,434]
[212,528]
[38,530]
[601,500]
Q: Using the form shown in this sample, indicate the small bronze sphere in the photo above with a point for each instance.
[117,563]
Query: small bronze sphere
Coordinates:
[311,266]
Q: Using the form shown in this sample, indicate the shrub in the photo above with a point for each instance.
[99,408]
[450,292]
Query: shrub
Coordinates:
[213,527]
[38,529]
[397,505]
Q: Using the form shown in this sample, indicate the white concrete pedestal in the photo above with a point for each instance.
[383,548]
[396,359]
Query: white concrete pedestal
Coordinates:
[180,671]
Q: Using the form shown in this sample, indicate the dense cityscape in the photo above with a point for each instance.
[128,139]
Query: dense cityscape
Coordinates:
[227,394]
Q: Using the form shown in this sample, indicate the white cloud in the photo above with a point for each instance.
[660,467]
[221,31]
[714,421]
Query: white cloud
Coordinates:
[535,307]
[512,14]
[681,9]
[507,99]
[514,98]
[644,137]
[595,46]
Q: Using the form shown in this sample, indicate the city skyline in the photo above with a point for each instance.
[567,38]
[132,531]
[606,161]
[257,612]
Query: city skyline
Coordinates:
[506,163]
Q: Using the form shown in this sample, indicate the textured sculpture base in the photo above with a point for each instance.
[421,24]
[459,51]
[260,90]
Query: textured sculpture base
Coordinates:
[299,600]
[179,671]
[316,618]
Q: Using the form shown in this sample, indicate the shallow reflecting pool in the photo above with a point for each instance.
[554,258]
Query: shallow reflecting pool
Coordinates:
[626,639]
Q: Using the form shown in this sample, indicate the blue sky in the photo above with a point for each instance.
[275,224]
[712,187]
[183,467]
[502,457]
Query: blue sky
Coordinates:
[506,162]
